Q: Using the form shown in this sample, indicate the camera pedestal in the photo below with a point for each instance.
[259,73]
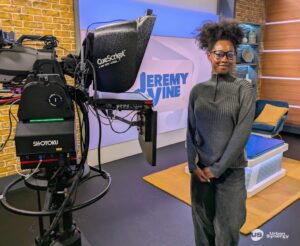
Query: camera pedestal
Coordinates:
[66,232]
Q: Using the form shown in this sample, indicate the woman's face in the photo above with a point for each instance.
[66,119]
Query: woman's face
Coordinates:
[222,57]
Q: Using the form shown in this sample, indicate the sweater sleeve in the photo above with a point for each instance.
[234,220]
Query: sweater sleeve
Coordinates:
[240,133]
[191,128]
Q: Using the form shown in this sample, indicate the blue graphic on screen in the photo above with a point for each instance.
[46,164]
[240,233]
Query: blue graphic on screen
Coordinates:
[162,85]
[171,21]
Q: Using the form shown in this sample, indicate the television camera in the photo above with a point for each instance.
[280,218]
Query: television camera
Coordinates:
[46,131]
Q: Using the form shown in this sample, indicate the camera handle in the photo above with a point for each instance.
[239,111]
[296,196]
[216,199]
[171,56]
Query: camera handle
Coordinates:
[49,40]
[30,37]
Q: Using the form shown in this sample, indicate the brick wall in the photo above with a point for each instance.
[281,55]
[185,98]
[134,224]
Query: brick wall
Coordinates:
[253,12]
[36,17]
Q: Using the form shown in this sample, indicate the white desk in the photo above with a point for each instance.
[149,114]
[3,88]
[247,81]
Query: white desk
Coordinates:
[264,170]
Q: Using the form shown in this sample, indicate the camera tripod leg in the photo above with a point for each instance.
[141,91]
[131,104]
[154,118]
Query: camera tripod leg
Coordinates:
[41,224]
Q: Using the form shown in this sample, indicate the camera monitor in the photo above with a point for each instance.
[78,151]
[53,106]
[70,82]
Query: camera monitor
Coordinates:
[147,136]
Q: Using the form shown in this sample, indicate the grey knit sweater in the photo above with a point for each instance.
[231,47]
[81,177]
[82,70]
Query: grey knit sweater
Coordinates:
[220,117]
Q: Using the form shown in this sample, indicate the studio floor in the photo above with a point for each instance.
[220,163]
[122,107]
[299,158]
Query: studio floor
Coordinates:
[135,213]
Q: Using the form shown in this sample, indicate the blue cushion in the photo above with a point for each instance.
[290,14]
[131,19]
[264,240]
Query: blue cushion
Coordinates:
[262,127]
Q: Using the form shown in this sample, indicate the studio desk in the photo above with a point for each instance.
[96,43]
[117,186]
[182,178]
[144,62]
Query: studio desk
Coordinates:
[264,157]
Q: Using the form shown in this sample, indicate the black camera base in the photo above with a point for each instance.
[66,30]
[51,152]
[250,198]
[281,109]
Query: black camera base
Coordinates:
[67,238]
[62,230]
[65,233]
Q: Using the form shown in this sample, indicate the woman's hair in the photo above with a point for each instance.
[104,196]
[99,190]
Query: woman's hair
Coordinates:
[212,32]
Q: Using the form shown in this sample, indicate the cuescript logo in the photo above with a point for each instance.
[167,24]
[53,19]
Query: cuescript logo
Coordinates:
[45,143]
[111,59]
[257,235]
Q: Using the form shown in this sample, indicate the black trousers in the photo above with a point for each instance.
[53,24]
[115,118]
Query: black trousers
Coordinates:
[219,208]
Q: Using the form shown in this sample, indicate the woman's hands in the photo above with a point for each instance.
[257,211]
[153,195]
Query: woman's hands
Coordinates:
[204,175]
[208,173]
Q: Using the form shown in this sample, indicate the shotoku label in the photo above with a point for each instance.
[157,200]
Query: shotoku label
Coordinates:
[45,143]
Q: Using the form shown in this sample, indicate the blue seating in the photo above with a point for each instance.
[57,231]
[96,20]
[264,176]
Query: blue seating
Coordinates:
[265,129]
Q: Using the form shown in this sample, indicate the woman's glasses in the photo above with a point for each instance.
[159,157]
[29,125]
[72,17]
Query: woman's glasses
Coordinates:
[219,54]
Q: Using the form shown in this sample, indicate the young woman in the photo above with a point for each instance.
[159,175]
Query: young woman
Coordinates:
[220,117]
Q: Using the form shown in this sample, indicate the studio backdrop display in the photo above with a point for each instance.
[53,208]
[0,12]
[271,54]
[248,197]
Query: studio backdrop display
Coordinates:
[172,63]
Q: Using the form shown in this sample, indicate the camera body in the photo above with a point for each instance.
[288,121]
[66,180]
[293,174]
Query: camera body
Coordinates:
[45,131]
[46,128]
[18,61]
